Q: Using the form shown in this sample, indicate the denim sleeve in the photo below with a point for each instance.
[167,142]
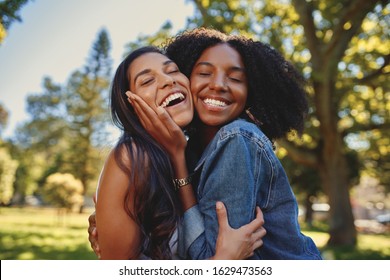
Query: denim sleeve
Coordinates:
[228,175]
[191,228]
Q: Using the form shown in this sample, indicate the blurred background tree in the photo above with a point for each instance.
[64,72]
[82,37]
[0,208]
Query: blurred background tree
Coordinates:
[8,14]
[7,176]
[63,191]
[68,125]
[3,118]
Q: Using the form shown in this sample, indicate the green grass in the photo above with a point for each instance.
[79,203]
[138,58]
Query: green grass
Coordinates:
[40,234]
[369,246]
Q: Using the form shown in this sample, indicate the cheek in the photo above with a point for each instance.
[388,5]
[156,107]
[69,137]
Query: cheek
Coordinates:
[197,87]
[194,91]
[149,98]
[242,95]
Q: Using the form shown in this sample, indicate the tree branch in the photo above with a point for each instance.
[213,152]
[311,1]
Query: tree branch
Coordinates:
[305,12]
[201,9]
[377,72]
[298,154]
[369,127]
[354,14]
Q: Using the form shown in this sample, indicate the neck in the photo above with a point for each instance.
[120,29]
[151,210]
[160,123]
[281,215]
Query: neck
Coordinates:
[206,134]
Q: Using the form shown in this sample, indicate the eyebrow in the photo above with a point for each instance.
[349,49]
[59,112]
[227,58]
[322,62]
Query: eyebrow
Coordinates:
[234,68]
[146,71]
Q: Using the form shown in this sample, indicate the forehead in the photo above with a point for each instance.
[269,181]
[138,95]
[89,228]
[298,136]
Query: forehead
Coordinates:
[221,54]
[148,61]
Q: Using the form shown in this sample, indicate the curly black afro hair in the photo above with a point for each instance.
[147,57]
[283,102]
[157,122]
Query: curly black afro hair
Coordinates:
[276,96]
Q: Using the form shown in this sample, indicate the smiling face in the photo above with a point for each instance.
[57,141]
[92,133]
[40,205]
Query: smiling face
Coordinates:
[218,85]
[157,79]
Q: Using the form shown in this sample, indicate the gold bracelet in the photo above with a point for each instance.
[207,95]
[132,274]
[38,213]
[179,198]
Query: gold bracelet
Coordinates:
[182,182]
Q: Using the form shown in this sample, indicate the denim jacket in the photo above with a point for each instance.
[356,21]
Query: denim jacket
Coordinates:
[240,168]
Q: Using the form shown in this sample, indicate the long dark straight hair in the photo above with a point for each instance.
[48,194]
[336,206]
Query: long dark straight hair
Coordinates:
[156,207]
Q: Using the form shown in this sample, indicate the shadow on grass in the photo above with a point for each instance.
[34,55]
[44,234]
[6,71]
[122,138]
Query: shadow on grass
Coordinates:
[43,246]
[352,253]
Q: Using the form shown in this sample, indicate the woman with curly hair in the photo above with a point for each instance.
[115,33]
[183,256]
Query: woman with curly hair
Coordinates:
[138,213]
[245,95]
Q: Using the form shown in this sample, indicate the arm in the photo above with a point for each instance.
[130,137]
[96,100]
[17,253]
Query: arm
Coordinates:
[119,235]
[92,232]
[237,244]
[228,175]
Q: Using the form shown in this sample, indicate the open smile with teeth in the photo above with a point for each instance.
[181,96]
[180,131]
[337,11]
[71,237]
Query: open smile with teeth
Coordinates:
[214,102]
[173,99]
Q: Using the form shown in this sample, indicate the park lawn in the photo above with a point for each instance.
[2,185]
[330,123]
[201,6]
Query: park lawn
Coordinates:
[41,234]
[369,247]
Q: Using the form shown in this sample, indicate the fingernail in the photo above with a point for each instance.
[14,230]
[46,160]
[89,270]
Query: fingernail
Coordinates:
[127,93]
[218,205]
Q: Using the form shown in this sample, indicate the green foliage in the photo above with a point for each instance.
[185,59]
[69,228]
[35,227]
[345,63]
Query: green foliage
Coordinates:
[158,39]
[69,124]
[99,62]
[87,110]
[48,118]
[63,190]
[7,176]
[28,176]
[8,14]
[3,117]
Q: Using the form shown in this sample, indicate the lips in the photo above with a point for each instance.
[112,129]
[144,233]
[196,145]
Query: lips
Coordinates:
[173,99]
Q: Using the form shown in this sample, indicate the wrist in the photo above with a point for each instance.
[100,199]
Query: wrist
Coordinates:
[181,182]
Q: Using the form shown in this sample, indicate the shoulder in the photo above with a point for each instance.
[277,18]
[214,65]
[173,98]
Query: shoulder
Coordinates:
[115,174]
[125,155]
[243,129]
[112,178]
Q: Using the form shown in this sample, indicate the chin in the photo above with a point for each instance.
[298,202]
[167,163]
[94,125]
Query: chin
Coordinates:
[183,120]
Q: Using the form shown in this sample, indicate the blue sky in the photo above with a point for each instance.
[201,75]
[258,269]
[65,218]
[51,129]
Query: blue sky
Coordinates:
[55,36]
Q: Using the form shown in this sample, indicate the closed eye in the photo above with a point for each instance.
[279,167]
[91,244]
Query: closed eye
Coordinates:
[173,71]
[235,79]
[146,82]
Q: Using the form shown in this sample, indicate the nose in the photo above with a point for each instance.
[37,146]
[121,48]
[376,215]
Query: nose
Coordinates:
[218,83]
[166,80]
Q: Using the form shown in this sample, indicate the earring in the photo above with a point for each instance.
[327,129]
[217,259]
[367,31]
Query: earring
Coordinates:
[256,121]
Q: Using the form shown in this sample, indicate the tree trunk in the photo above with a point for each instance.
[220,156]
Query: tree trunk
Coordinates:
[309,210]
[334,176]
[341,221]
[332,162]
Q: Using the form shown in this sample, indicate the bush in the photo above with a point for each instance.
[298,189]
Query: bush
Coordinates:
[63,190]
[8,168]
